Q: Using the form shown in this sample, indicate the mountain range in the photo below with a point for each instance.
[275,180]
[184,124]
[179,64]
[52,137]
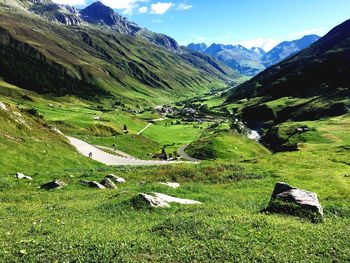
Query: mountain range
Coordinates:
[250,62]
[310,85]
[94,52]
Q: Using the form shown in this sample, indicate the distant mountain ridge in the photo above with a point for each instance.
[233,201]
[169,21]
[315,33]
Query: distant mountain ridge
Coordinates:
[252,61]
[287,49]
[310,85]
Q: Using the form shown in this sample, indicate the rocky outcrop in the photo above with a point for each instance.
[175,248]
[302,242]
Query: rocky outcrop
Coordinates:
[64,14]
[53,185]
[286,199]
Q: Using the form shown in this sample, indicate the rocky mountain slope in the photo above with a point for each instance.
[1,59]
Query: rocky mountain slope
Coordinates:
[310,85]
[250,62]
[287,49]
[110,57]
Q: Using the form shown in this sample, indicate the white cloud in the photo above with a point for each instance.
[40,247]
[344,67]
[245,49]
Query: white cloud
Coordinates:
[184,6]
[265,43]
[160,8]
[143,9]
[127,6]
[70,2]
[316,31]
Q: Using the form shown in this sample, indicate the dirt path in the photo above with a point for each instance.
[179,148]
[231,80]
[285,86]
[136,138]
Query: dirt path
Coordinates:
[109,159]
[148,125]
[185,155]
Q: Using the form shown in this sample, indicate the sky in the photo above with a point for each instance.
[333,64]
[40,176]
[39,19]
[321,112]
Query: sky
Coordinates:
[261,23]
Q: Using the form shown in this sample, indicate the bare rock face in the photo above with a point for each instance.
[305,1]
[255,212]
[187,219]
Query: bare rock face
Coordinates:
[108,183]
[53,185]
[22,176]
[116,179]
[92,184]
[290,200]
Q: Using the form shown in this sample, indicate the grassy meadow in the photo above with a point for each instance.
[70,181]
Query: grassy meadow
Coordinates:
[79,224]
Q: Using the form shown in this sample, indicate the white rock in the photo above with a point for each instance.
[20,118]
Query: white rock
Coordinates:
[116,179]
[97,118]
[56,130]
[3,106]
[22,176]
[171,199]
[152,201]
[172,185]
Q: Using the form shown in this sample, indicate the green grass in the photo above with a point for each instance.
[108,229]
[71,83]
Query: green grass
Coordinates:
[80,224]
[28,145]
[225,145]
[173,136]
[138,146]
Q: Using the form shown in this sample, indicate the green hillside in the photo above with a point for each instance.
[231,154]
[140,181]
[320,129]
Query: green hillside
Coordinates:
[28,144]
[308,86]
[95,62]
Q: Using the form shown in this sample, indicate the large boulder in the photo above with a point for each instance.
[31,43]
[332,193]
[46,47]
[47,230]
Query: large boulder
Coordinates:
[108,183]
[22,176]
[53,185]
[116,179]
[92,184]
[287,199]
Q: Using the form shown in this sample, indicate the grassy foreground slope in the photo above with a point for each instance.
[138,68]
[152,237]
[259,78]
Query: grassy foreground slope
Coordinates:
[81,224]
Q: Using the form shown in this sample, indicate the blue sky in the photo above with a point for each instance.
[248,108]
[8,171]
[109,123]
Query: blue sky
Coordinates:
[262,23]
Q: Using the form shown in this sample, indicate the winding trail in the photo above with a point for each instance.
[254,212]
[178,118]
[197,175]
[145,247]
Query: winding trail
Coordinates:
[186,156]
[109,159]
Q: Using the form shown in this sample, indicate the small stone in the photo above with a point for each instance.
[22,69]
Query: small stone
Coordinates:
[286,199]
[108,183]
[116,179]
[92,184]
[172,185]
[22,176]
[53,185]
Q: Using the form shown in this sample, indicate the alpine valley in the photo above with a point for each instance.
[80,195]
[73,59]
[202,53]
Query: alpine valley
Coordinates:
[117,144]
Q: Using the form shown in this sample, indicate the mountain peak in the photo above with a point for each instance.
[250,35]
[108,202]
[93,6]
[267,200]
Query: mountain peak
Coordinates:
[97,13]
